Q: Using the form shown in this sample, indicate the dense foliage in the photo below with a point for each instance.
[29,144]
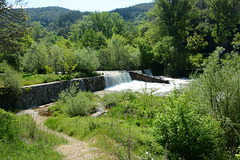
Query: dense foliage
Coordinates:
[173,38]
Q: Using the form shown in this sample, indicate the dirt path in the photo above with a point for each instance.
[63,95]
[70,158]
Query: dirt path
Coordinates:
[75,149]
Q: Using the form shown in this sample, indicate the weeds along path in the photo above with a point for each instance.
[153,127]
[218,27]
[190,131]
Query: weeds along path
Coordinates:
[75,149]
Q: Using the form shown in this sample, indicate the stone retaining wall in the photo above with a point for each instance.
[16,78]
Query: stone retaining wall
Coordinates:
[36,95]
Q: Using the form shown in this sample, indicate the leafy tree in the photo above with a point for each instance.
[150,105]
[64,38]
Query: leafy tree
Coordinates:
[102,22]
[77,30]
[93,39]
[13,29]
[38,31]
[36,58]
[68,62]
[87,60]
[146,51]
[118,55]
[225,14]
[173,19]
[196,43]
[57,53]
[118,50]
[173,16]
[133,60]
[118,24]
[170,56]
[236,41]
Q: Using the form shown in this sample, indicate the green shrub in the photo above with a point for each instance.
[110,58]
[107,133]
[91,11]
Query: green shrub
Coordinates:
[10,78]
[187,134]
[75,103]
[111,100]
[217,92]
[80,105]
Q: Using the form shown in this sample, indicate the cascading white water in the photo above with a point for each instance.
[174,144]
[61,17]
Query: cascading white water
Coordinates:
[156,88]
[148,72]
[113,80]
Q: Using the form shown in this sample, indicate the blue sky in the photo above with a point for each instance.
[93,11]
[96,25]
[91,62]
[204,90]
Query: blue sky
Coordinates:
[85,5]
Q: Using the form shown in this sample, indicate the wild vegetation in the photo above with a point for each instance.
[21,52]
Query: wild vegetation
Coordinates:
[174,38]
[21,139]
[198,122]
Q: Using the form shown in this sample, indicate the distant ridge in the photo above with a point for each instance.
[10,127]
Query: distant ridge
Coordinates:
[47,15]
[131,13]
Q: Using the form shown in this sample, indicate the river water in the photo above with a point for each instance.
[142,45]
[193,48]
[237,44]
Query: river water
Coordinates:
[155,88]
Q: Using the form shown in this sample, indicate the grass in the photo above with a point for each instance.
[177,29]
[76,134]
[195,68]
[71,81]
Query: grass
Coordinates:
[125,131]
[31,79]
[21,139]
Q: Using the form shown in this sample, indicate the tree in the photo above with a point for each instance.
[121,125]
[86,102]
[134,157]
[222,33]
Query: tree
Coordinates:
[173,16]
[146,51]
[92,39]
[225,14]
[13,28]
[68,62]
[87,60]
[38,31]
[102,22]
[36,58]
[118,24]
[77,30]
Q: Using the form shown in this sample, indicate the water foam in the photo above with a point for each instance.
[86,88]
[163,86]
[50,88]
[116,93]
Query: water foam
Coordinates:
[155,88]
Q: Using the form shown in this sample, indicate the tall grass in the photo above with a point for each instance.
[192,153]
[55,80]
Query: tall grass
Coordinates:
[21,139]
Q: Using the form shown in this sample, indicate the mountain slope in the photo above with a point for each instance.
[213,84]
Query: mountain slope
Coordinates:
[62,16]
[45,15]
[131,13]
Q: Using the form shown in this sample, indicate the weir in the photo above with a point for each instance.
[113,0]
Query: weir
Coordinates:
[112,80]
[37,95]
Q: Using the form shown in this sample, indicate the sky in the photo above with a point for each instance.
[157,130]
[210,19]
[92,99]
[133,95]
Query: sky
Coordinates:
[85,5]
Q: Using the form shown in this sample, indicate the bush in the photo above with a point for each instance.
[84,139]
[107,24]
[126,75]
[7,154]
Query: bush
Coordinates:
[187,134]
[217,92]
[80,105]
[75,103]
[111,100]
[10,78]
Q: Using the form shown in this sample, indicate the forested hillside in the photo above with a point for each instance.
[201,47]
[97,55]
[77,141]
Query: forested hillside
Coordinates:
[45,15]
[59,19]
[62,16]
[133,12]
